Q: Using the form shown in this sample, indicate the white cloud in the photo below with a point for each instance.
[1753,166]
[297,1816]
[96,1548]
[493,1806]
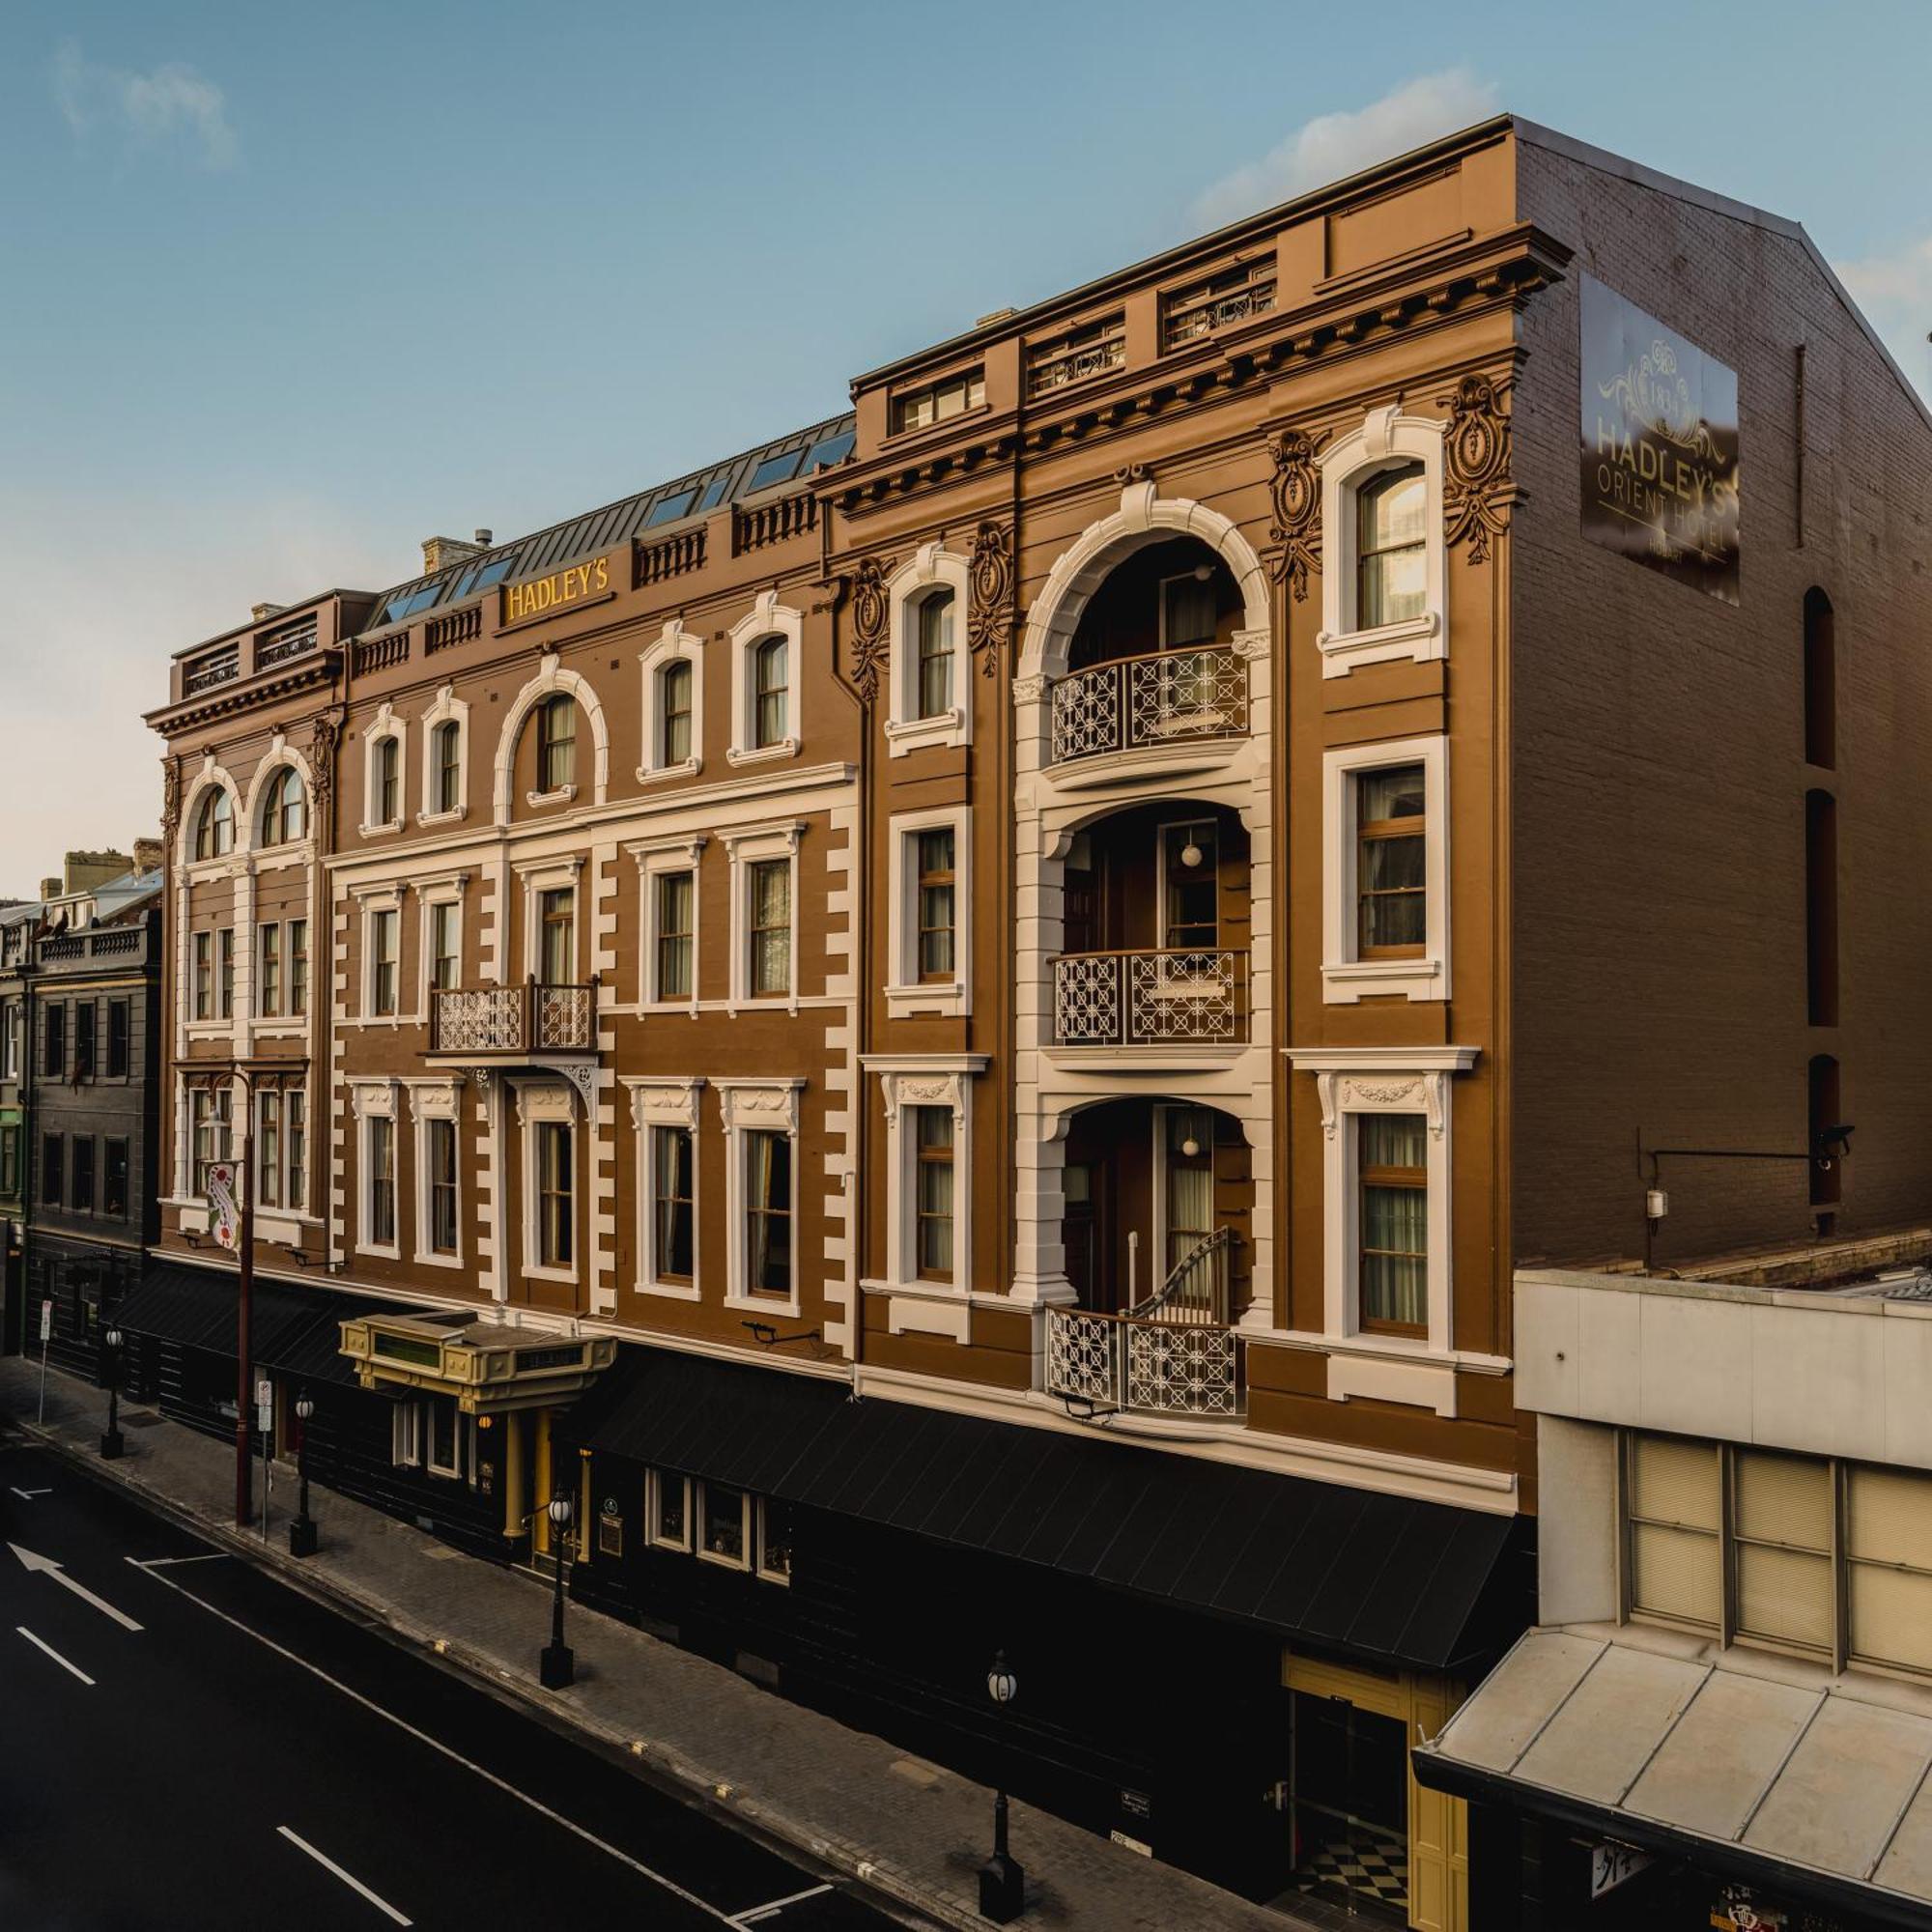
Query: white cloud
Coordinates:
[1896,291]
[170,102]
[1333,146]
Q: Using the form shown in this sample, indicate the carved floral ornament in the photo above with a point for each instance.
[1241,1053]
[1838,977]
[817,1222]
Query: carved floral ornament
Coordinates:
[665,1102]
[1477,491]
[901,1091]
[324,736]
[871,608]
[171,797]
[772,1104]
[1339,1094]
[1296,491]
[990,618]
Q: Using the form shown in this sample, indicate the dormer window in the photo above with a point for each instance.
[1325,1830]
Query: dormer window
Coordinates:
[214,825]
[1391,553]
[284,808]
[939,402]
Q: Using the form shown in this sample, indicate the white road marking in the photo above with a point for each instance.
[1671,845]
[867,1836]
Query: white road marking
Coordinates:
[47,1566]
[349,1879]
[436,1745]
[159,1562]
[28,1496]
[753,1914]
[40,1644]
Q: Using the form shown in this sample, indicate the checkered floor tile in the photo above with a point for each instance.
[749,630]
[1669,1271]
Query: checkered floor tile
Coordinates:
[1364,1866]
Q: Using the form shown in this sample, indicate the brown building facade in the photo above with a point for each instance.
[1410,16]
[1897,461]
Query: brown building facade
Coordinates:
[958,1021]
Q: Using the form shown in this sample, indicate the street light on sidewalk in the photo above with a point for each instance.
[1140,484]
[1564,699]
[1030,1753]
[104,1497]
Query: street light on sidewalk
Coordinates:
[556,1667]
[1002,1882]
[302,1532]
[111,1444]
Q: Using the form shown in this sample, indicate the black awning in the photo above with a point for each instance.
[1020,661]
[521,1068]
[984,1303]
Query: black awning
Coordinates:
[1382,1577]
[295,1330]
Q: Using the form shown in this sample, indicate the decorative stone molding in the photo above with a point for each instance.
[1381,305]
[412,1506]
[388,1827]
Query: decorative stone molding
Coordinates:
[1296,493]
[931,568]
[673,645]
[550,679]
[990,622]
[766,618]
[666,1101]
[373,1100]
[436,1099]
[1478,495]
[772,1104]
[548,1097]
[870,609]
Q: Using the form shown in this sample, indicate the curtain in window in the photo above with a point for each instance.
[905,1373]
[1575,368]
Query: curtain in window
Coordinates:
[674,896]
[676,689]
[768,1180]
[771,922]
[670,1192]
[1393,549]
[1189,611]
[935,654]
[1395,1219]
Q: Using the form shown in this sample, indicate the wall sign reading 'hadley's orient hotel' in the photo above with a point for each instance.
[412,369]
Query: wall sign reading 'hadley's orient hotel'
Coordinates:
[1659,445]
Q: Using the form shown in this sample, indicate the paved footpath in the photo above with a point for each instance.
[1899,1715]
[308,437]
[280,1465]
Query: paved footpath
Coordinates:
[910,1831]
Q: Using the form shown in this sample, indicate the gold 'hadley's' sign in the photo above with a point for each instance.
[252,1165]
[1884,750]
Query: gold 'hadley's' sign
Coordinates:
[545,596]
[1659,450]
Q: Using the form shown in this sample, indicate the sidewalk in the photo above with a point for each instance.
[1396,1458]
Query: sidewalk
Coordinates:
[913,1833]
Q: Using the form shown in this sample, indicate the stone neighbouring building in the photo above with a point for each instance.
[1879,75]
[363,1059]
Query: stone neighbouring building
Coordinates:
[959,1023]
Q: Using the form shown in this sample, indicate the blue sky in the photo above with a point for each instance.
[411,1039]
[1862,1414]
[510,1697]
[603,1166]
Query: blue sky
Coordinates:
[283,291]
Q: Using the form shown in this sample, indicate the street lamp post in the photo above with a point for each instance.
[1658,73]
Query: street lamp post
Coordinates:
[111,1444]
[556,1667]
[1002,1882]
[302,1532]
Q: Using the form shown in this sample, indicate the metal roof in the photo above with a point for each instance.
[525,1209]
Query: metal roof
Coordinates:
[700,492]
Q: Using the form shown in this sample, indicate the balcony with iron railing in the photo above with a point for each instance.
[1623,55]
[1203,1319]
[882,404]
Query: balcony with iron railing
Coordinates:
[1177,1353]
[1161,699]
[1151,998]
[537,1017]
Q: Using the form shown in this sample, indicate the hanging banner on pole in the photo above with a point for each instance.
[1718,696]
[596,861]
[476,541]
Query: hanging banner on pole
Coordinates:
[224,1217]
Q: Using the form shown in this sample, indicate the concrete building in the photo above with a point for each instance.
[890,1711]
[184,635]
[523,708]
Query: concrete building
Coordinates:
[957,1023]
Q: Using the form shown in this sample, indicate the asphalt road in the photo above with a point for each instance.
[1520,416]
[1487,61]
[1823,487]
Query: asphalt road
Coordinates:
[248,1758]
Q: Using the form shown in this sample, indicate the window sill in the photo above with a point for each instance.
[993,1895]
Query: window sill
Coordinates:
[380,1254]
[765,1304]
[1421,638]
[563,795]
[763,754]
[388,827]
[1346,981]
[687,768]
[423,1259]
[564,1277]
[688,1007]
[668,1547]
[741,1564]
[913,734]
[947,998]
[454,816]
[670,1291]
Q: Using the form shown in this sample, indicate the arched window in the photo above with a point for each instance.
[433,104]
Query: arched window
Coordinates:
[387,788]
[1391,547]
[770,694]
[556,743]
[284,808]
[674,712]
[214,825]
[935,653]
[447,762]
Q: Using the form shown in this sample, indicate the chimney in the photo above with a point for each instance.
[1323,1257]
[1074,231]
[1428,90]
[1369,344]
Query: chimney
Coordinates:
[85,870]
[438,553]
[50,889]
[258,611]
[148,855]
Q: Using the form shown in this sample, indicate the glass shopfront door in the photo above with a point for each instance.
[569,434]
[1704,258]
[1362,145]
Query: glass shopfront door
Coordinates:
[1350,1806]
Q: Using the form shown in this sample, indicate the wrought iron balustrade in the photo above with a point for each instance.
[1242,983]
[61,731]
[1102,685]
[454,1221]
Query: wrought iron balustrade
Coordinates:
[1149,999]
[534,1017]
[1129,702]
[1147,1367]
[222,668]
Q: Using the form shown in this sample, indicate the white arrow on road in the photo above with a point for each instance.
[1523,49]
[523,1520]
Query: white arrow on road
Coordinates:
[47,1566]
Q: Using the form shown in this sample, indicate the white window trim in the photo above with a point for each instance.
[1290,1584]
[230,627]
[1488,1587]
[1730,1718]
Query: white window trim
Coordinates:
[766,618]
[931,566]
[674,642]
[702,1515]
[781,1578]
[1386,437]
[654,857]
[1349,1082]
[385,724]
[375,1100]
[667,1102]
[654,1481]
[406,1436]
[536,880]
[1346,977]
[745,849]
[448,709]
[925,1080]
[381,899]
[541,1101]
[769,1106]
[436,1101]
[448,890]
[905,993]
[463,1469]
